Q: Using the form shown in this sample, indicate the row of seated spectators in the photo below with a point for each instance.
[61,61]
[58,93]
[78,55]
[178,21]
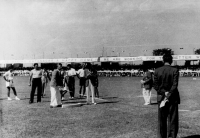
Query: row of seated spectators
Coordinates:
[20,72]
[139,73]
[120,73]
[106,73]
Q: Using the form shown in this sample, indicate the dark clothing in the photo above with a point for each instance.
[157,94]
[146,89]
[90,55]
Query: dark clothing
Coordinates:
[82,81]
[87,73]
[36,83]
[62,76]
[148,80]
[95,82]
[57,78]
[168,111]
[82,85]
[93,77]
[14,91]
[166,80]
[71,85]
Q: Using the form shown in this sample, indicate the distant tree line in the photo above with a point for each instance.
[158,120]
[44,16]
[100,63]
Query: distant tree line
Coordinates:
[161,52]
[197,51]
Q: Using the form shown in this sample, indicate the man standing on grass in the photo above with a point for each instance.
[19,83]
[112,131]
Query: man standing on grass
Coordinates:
[166,84]
[71,80]
[8,77]
[81,76]
[90,82]
[55,84]
[35,82]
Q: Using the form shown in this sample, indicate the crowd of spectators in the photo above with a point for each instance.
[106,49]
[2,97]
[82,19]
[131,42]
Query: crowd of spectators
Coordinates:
[123,72]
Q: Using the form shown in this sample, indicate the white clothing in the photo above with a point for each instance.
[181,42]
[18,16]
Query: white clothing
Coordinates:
[55,96]
[9,76]
[162,104]
[147,95]
[36,73]
[81,73]
[10,84]
[71,72]
[91,87]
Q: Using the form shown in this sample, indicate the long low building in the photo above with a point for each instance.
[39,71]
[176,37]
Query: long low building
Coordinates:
[102,59]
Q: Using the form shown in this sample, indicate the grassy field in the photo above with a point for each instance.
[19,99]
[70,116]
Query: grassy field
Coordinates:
[120,112]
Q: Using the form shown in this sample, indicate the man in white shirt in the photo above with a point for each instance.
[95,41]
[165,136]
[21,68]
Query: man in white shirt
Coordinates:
[81,76]
[35,82]
[71,81]
[8,77]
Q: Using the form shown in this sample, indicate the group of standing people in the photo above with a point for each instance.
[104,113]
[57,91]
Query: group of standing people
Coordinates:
[165,82]
[62,83]
[85,74]
[38,79]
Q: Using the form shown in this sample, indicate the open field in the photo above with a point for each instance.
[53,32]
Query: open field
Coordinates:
[120,112]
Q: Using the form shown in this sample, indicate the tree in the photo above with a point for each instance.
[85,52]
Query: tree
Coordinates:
[197,51]
[161,52]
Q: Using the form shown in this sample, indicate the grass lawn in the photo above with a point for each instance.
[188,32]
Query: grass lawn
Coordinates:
[120,112]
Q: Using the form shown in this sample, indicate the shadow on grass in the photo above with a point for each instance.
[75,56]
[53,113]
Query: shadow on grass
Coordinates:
[193,136]
[27,98]
[154,103]
[24,98]
[73,102]
[107,102]
[82,102]
[108,97]
[3,98]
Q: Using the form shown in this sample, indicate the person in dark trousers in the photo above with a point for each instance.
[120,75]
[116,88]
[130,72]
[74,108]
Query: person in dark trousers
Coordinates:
[71,80]
[166,84]
[95,82]
[62,77]
[81,76]
[35,82]
[90,83]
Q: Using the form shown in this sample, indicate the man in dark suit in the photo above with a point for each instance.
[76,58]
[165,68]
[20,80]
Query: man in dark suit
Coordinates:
[55,84]
[166,84]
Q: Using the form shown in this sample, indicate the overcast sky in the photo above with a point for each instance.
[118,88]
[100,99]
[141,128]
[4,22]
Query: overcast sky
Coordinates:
[70,28]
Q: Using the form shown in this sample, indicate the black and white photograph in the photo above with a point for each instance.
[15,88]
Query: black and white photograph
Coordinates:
[99,69]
